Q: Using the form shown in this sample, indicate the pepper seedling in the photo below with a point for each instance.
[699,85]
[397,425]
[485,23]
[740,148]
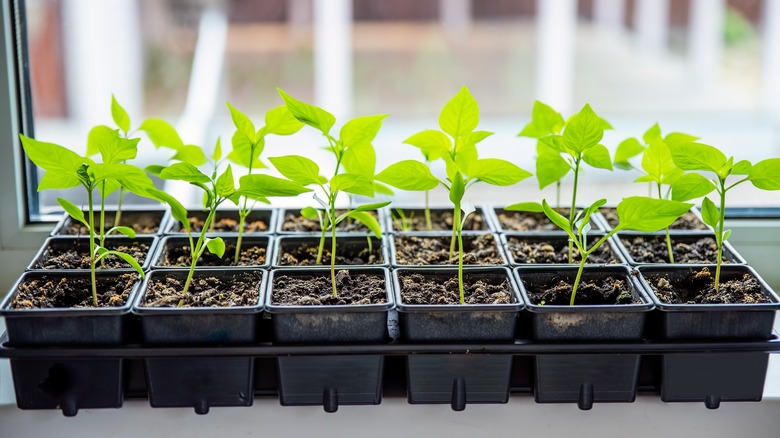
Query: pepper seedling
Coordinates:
[65,169]
[457,145]
[354,153]
[764,175]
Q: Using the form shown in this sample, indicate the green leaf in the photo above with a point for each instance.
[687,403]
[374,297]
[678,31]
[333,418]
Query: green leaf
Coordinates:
[645,178]
[184,172]
[645,214]
[657,160]
[408,175]
[598,156]
[475,137]
[126,257]
[433,144]
[361,130]
[360,158]
[119,115]
[225,185]
[311,115]
[130,177]
[368,220]
[177,209]
[765,174]
[544,121]
[190,154]
[550,166]
[584,221]
[352,183]
[73,211]
[369,207]
[262,186]
[242,122]
[281,121]
[554,142]
[245,153]
[309,212]
[583,131]
[672,176]
[457,189]
[460,115]
[161,133]
[127,231]
[51,157]
[710,213]
[382,189]
[532,207]
[742,167]
[110,186]
[98,135]
[626,150]
[216,246]
[698,156]
[154,169]
[299,169]
[557,218]
[217,154]
[726,235]
[465,156]
[691,186]
[497,172]
[54,180]
[676,138]
[652,134]
[113,148]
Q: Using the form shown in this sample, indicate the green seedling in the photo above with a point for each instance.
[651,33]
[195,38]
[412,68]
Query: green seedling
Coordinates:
[457,142]
[565,146]
[699,157]
[353,174]
[636,213]
[433,144]
[657,165]
[402,221]
[65,169]
[248,145]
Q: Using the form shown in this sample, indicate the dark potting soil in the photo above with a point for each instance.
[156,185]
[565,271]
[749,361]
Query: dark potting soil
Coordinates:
[652,249]
[441,220]
[47,292]
[224,225]
[416,250]
[688,221]
[77,256]
[419,289]
[557,291]
[241,289]
[251,255]
[318,291]
[527,251]
[527,221]
[142,223]
[699,288]
[305,254]
[299,224]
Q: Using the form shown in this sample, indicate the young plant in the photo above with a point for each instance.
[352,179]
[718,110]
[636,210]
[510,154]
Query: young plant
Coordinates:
[354,153]
[248,145]
[402,221]
[657,165]
[432,145]
[65,169]
[566,146]
[635,213]
[457,145]
[764,175]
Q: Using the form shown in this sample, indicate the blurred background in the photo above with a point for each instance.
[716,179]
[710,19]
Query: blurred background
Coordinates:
[705,67]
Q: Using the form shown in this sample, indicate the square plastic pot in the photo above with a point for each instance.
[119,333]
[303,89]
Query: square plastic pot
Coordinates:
[131,214]
[267,215]
[501,227]
[330,381]
[200,382]
[69,242]
[445,238]
[557,241]
[729,253]
[344,243]
[392,219]
[458,379]
[248,240]
[340,229]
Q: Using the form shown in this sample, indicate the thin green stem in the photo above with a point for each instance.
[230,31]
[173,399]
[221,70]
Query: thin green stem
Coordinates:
[242,214]
[459,233]
[558,194]
[118,216]
[198,250]
[572,212]
[333,247]
[92,247]
[321,246]
[455,216]
[103,213]
[577,281]
[668,237]
[719,231]
[428,224]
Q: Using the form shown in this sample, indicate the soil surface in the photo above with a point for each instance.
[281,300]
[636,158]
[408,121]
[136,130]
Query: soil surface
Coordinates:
[76,256]
[608,290]
[527,221]
[224,225]
[318,291]
[240,289]
[688,221]
[528,251]
[652,249]
[441,220]
[251,255]
[699,288]
[48,292]
[296,223]
[354,253]
[416,250]
[481,289]
[142,223]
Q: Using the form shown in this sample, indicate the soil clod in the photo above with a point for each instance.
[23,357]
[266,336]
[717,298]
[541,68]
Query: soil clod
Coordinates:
[241,289]
[76,256]
[599,291]
[482,289]
[699,288]
[353,289]
[48,292]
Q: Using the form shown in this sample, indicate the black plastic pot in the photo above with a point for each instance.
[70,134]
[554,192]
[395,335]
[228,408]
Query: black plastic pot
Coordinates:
[393,219]
[330,381]
[69,242]
[267,215]
[284,212]
[458,379]
[596,223]
[445,237]
[205,381]
[131,214]
[558,241]
[67,384]
[345,243]
[585,379]
[168,242]
[623,240]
